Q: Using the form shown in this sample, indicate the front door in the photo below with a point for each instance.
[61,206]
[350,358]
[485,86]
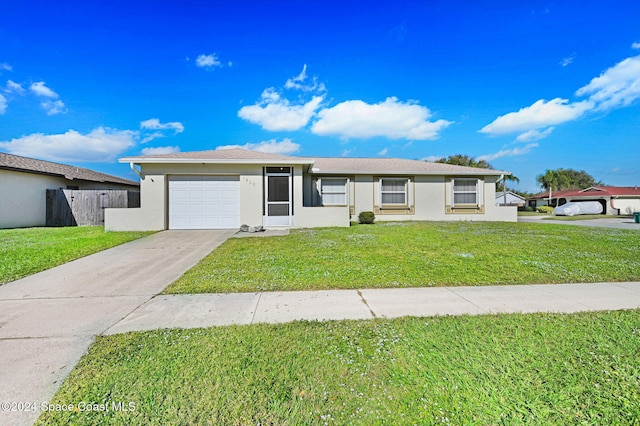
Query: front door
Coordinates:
[278,196]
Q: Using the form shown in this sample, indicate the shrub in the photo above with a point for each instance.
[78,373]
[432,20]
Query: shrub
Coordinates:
[366,217]
[545,209]
[529,209]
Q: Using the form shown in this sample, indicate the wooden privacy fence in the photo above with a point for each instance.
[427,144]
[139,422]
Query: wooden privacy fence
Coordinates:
[84,207]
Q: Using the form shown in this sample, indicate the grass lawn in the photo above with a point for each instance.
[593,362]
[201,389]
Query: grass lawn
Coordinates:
[503,369]
[418,254]
[30,250]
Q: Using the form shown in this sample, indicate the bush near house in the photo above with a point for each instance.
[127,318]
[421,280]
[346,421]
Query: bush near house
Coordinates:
[545,209]
[366,218]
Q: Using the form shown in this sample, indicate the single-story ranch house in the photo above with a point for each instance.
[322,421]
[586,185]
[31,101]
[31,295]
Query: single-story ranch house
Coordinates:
[615,200]
[24,181]
[230,187]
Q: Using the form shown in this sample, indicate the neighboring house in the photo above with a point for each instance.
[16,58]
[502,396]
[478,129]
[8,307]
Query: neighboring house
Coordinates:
[512,199]
[231,187]
[24,181]
[615,200]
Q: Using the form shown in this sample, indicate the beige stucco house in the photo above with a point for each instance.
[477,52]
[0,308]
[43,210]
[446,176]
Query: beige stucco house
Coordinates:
[231,187]
[24,181]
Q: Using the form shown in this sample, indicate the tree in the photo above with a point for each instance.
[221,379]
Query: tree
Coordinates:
[579,179]
[560,179]
[552,179]
[465,160]
[511,178]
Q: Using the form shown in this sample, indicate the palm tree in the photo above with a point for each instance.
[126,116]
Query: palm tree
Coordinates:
[552,179]
[511,178]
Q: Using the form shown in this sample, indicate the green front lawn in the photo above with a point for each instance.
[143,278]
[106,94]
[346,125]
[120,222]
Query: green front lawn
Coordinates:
[30,250]
[504,369]
[417,254]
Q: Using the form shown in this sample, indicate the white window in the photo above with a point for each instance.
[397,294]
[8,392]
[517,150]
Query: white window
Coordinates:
[333,191]
[394,192]
[465,191]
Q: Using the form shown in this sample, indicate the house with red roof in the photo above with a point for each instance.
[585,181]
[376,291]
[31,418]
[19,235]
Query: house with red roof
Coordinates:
[615,200]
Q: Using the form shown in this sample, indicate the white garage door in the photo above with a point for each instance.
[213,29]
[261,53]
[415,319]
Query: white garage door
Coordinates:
[204,202]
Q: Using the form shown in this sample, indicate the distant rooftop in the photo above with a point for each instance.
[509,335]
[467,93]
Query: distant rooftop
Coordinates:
[594,191]
[31,165]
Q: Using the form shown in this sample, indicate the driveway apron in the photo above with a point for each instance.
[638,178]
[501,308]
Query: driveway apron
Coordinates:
[49,319]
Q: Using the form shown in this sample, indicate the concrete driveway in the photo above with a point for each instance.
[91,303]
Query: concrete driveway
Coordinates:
[48,320]
[617,222]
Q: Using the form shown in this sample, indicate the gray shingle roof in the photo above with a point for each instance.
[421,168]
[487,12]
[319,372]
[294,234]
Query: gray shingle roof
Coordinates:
[320,165]
[31,165]
[230,154]
[393,166]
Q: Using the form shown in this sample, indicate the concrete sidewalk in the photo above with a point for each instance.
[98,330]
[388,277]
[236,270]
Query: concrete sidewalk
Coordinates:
[206,310]
[48,320]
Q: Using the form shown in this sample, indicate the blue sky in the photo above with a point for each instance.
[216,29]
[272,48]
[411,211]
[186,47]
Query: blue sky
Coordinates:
[526,85]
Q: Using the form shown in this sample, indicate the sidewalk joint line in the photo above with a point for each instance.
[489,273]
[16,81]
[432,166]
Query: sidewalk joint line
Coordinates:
[452,290]
[373,314]
[255,308]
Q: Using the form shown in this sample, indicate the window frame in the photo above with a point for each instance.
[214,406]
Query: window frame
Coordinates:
[476,192]
[382,192]
[345,191]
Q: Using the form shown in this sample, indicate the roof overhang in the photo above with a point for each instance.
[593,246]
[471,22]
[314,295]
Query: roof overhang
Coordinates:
[147,160]
[479,172]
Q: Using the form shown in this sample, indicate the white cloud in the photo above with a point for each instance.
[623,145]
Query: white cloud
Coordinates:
[635,45]
[155,124]
[100,145]
[3,104]
[617,86]
[50,106]
[160,129]
[6,67]
[384,151]
[208,61]
[161,150]
[534,135]
[284,147]
[275,113]
[294,82]
[392,119]
[568,60]
[508,152]
[40,89]
[152,136]
[540,114]
[297,82]
[53,107]
[12,86]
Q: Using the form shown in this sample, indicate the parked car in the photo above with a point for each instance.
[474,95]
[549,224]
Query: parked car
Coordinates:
[573,208]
